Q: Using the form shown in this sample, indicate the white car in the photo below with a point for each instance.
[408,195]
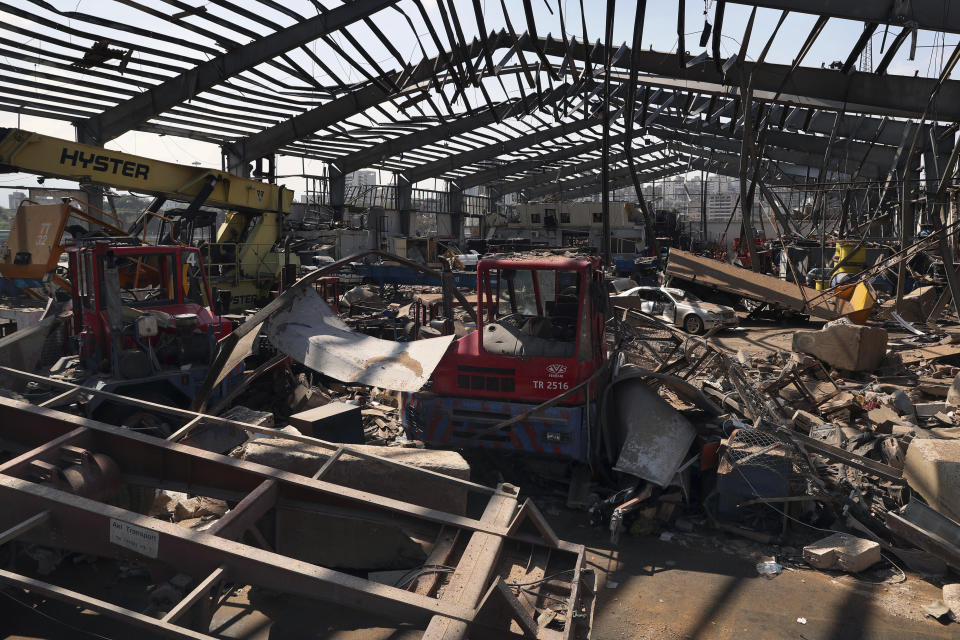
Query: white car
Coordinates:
[679,308]
[469,260]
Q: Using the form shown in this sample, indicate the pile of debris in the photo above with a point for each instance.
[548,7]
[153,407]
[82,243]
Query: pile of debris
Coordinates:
[847,447]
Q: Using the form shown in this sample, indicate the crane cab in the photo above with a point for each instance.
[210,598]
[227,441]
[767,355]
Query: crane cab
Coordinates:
[140,308]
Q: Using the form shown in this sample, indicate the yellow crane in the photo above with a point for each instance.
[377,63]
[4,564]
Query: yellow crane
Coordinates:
[245,257]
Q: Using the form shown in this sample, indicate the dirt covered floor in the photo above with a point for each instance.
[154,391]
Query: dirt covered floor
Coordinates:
[666,586]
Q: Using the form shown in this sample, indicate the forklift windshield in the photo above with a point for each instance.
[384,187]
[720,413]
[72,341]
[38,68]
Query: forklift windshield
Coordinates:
[531,312]
[146,279]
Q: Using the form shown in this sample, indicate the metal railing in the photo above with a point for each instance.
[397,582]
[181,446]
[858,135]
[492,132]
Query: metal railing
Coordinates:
[380,195]
[232,261]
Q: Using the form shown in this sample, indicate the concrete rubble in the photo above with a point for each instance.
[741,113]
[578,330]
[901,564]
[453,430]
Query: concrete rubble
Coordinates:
[932,468]
[951,598]
[848,429]
[842,551]
[847,347]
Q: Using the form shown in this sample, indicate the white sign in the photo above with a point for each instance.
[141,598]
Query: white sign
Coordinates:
[139,539]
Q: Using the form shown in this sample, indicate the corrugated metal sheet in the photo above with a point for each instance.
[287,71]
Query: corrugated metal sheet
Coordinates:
[310,333]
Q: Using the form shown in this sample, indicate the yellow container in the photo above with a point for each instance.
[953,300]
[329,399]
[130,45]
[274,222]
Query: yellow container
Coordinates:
[857,260]
[821,285]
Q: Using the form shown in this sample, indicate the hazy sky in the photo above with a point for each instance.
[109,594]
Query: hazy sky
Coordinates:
[659,33]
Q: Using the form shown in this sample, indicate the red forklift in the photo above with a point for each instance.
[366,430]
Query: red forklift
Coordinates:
[143,323]
[540,333]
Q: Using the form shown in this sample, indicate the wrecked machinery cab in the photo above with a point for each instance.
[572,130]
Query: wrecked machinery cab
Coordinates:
[142,318]
[539,334]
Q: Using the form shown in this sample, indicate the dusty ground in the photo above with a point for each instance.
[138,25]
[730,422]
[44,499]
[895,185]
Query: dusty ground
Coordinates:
[667,591]
[691,587]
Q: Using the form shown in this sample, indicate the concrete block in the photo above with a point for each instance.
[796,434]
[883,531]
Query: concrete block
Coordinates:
[849,347]
[353,544]
[929,409]
[820,558]
[953,392]
[917,305]
[951,598]
[842,551]
[335,422]
[932,469]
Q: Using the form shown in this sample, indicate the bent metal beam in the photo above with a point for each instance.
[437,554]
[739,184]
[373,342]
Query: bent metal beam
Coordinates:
[133,112]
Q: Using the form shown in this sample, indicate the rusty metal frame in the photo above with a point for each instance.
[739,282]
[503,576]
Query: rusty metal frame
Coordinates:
[48,514]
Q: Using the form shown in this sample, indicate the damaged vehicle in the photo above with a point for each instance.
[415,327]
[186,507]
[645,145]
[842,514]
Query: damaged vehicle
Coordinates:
[678,307]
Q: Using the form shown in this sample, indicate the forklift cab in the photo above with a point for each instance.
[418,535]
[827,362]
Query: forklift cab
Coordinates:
[539,331]
[539,335]
[532,312]
[129,298]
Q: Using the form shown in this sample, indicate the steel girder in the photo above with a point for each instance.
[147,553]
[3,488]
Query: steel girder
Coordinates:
[108,457]
[900,96]
[453,162]
[512,168]
[694,163]
[725,160]
[793,140]
[548,186]
[131,113]
[799,158]
[353,103]
[851,127]
[595,186]
[934,15]
[794,148]
[445,131]
[806,119]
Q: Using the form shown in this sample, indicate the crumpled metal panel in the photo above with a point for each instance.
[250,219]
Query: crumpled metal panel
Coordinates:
[309,332]
[657,436]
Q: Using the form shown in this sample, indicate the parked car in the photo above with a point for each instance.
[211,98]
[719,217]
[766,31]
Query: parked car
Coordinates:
[469,260]
[678,307]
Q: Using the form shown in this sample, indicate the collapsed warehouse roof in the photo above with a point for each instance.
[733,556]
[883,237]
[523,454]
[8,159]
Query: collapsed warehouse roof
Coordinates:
[485,98]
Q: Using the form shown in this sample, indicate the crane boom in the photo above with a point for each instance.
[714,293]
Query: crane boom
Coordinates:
[30,152]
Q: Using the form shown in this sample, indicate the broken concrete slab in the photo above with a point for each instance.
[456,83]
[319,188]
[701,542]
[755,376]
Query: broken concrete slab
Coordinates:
[929,354]
[935,387]
[951,598]
[932,469]
[842,551]
[883,418]
[929,409]
[199,507]
[953,392]
[936,609]
[931,531]
[354,544]
[847,347]
[371,475]
[916,305]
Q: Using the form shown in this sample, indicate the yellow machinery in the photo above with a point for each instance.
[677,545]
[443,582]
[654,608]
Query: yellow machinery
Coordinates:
[245,259]
[855,255]
[32,251]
